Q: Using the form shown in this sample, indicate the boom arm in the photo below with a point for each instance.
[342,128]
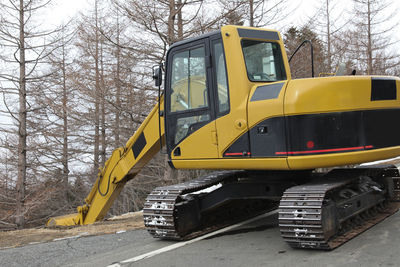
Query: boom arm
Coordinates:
[123,165]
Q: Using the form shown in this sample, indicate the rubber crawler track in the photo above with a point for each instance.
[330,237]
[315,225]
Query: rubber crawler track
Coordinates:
[159,210]
[301,223]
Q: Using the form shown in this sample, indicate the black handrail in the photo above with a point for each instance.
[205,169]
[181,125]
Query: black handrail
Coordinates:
[312,54]
[157,76]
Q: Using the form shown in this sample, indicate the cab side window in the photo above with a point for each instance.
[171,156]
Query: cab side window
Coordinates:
[221,78]
[188,80]
[263,61]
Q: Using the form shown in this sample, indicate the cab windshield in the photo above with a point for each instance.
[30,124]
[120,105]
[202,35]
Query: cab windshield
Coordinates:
[263,61]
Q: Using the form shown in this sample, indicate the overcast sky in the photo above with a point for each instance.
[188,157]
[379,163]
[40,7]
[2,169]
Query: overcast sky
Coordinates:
[65,9]
[301,10]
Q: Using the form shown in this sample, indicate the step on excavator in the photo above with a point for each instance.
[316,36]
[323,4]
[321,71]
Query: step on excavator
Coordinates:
[229,104]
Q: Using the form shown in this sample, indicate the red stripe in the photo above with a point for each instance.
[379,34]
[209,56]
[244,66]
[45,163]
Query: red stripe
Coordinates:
[324,150]
[237,154]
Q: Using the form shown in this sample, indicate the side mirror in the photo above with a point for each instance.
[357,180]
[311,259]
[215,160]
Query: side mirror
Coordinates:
[157,75]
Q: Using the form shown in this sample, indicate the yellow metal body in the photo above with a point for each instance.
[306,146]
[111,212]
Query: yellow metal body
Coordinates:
[205,147]
[336,94]
[299,96]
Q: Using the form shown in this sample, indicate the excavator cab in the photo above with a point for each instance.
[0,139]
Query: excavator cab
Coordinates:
[208,82]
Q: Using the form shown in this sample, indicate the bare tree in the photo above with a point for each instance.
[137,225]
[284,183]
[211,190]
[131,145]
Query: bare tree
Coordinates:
[374,24]
[301,63]
[117,79]
[261,13]
[27,49]
[89,80]
[97,92]
[55,122]
[328,21]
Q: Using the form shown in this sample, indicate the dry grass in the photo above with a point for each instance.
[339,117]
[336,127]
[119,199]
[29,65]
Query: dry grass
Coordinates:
[23,237]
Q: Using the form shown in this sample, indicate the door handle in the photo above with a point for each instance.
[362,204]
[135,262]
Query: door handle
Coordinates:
[214,137]
[240,124]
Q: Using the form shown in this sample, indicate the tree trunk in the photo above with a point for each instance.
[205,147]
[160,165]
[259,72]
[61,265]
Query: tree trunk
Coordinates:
[102,109]
[97,92]
[180,20]
[369,45]
[19,218]
[171,22]
[251,12]
[118,88]
[328,28]
[170,174]
[64,158]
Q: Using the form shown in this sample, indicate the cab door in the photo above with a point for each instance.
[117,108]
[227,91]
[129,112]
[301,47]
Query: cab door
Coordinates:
[190,114]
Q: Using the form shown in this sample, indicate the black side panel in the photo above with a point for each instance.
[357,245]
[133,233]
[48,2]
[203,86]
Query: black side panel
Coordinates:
[343,131]
[239,148]
[325,131]
[268,137]
[383,89]
[312,134]
[139,145]
[382,128]
[258,34]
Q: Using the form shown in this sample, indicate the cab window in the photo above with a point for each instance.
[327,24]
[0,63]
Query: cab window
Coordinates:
[263,61]
[188,80]
[221,78]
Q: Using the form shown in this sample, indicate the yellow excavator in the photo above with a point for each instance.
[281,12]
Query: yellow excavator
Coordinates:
[229,104]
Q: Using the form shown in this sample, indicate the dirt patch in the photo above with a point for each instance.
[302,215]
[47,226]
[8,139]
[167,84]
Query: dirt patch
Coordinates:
[17,238]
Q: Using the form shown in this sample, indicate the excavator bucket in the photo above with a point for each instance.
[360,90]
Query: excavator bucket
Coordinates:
[65,220]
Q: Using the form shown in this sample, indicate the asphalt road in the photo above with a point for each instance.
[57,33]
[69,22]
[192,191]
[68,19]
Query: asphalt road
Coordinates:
[254,244]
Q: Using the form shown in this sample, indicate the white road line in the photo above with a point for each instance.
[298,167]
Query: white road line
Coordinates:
[184,243]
